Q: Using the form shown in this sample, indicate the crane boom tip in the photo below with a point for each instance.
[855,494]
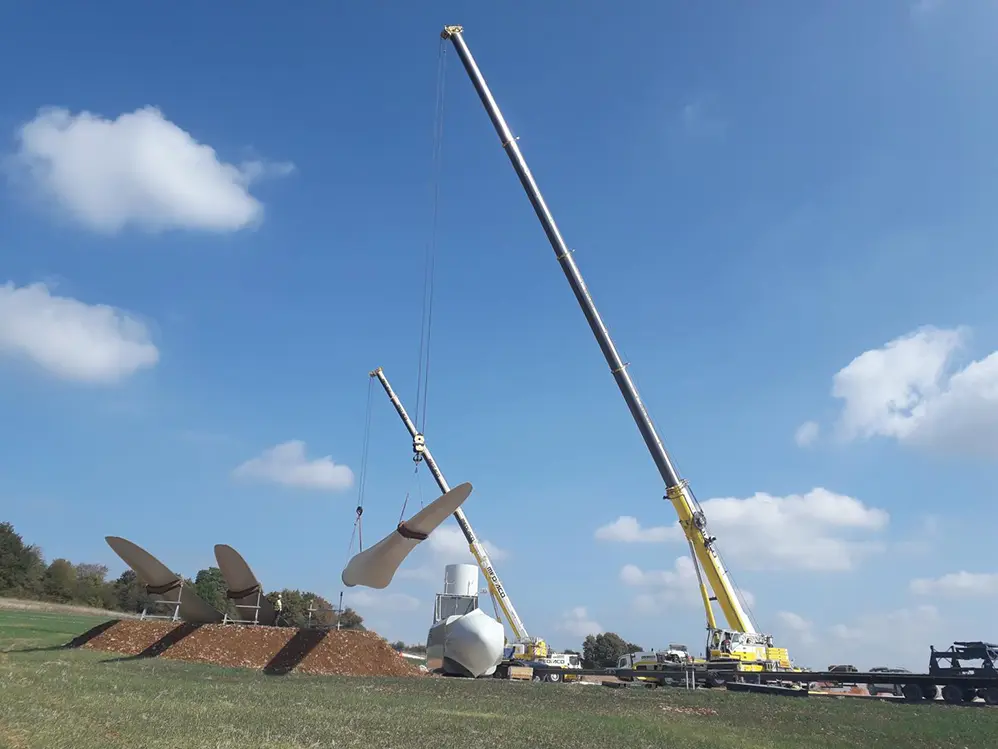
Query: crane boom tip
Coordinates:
[449,31]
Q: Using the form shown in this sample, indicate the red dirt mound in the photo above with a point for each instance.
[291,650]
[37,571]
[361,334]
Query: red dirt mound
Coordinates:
[276,650]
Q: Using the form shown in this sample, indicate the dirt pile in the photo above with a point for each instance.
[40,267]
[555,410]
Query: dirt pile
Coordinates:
[275,650]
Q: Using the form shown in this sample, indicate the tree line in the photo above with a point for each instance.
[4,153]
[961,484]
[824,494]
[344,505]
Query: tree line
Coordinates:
[25,574]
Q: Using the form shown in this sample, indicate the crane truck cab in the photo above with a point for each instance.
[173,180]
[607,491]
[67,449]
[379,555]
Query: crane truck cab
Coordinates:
[749,651]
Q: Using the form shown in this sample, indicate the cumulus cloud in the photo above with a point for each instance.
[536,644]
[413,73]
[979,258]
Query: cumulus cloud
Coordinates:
[662,590]
[449,545]
[91,343]
[807,433]
[913,391]
[957,584]
[812,531]
[627,529]
[138,170]
[287,464]
[898,637]
[578,623]
[799,627]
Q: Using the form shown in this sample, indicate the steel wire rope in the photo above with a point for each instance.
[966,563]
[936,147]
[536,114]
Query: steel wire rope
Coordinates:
[426,318]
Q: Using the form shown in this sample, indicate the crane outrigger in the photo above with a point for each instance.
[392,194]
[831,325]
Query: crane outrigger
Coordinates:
[739,641]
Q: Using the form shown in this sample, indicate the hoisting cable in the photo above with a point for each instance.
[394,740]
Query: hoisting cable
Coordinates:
[358,529]
[426,319]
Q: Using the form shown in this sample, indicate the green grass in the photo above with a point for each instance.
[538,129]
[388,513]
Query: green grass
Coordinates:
[80,699]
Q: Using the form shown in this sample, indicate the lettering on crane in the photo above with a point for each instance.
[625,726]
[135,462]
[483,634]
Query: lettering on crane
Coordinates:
[494,578]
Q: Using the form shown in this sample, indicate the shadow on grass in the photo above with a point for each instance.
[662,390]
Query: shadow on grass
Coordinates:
[161,645]
[76,642]
[299,646]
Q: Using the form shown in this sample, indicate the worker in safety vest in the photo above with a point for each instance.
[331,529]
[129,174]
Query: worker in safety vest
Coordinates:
[279,606]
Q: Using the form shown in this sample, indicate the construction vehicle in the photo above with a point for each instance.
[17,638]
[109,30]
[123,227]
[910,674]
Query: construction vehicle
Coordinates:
[524,647]
[674,658]
[738,646]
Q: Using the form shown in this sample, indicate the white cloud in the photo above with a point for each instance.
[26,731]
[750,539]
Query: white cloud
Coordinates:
[812,531]
[286,464]
[137,170]
[807,433]
[449,545]
[92,343]
[665,589]
[899,637]
[957,584]
[578,623]
[363,600]
[799,627]
[910,390]
[627,529]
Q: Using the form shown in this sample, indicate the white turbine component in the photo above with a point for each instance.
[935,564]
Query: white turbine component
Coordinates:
[375,567]
[467,645]
[461,580]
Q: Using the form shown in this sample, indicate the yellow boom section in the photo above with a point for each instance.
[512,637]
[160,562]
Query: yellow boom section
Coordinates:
[723,591]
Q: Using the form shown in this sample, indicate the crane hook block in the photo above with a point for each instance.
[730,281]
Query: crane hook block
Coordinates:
[418,443]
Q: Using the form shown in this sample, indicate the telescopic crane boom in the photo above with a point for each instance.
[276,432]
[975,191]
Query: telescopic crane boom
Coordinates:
[422,452]
[691,516]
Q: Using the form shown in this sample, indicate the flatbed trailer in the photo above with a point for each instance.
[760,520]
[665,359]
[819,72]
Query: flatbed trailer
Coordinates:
[955,689]
[701,674]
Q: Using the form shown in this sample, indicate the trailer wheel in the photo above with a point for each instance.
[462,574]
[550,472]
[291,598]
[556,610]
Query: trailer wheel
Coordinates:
[930,691]
[913,692]
[990,695]
[969,695]
[952,694]
[714,679]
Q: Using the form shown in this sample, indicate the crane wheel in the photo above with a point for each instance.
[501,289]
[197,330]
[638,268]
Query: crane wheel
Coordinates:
[952,694]
[990,695]
[913,692]
[714,679]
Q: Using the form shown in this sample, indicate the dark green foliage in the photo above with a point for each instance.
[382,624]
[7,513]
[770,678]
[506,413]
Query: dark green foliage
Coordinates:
[603,650]
[295,611]
[129,594]
[21,566]
[210,585]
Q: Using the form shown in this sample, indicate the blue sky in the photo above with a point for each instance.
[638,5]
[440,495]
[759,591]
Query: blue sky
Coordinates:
[756,196]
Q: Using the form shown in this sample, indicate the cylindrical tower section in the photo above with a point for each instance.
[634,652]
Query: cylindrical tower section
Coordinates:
[461,580]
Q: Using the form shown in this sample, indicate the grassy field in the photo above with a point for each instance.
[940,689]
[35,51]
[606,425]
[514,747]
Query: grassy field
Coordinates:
[80,699]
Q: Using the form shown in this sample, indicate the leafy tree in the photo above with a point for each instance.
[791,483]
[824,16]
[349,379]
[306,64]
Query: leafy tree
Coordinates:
[605,649]
[349,619]
[210,585]
[130,594]
[91,590]
[59,582]
[21,565]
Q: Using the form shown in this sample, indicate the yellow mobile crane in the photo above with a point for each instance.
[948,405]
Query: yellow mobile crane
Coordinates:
[524,647]
[739,645]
